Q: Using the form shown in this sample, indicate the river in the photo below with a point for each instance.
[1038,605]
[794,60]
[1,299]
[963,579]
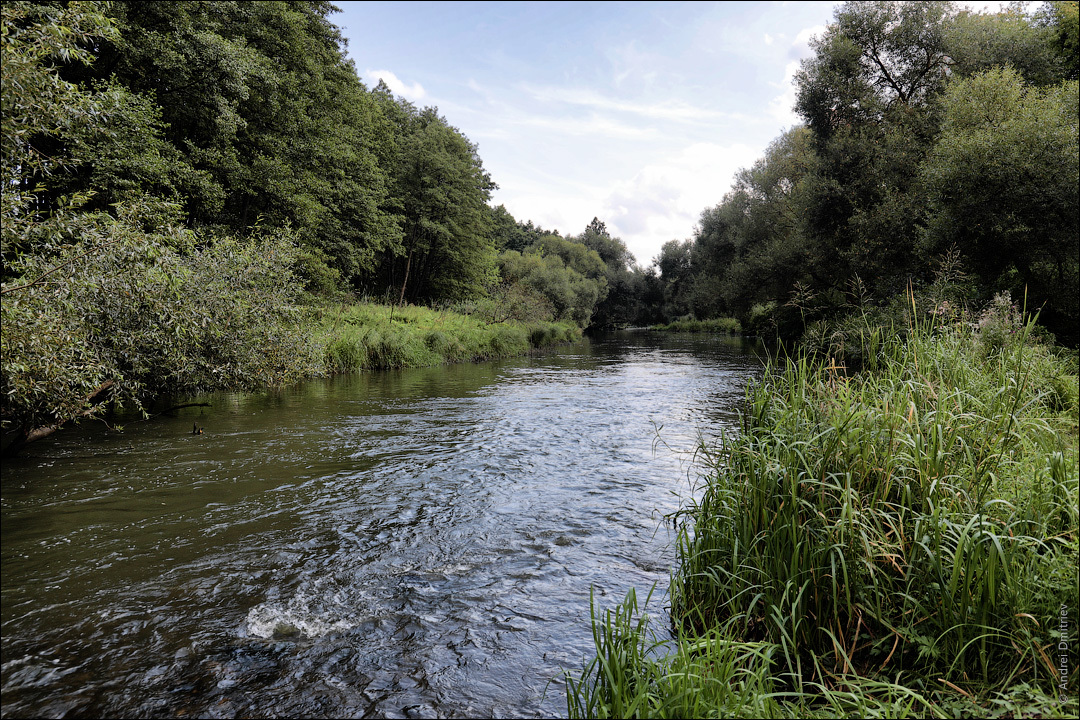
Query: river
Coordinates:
[416,543]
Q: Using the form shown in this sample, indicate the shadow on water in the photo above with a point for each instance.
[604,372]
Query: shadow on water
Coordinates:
[412,543]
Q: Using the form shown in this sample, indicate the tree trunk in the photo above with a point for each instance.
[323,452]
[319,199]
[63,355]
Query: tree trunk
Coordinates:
[31,434]
[408,264]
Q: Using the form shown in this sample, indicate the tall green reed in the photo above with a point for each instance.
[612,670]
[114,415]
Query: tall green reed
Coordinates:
[907,532]
[860,512]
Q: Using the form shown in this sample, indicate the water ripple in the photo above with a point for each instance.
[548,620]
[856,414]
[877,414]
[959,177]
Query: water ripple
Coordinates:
[418,543]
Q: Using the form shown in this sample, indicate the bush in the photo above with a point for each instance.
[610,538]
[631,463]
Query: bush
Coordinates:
[149,313]
[722,326]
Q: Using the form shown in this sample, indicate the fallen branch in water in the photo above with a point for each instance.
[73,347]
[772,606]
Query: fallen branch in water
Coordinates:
[95,401]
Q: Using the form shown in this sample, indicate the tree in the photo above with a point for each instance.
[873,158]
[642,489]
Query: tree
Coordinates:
[620,305]
[754,245]
[262,119]
[506,232]
[115,306]
[570,294]
[917,144]
[1063,18]
[875,57]
[440,190]
[868,96]
[674,266]
[977,42]
[1002,183]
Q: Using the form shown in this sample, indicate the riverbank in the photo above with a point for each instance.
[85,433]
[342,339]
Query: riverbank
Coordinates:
[899,542]
[724,326]
[272,344]
[367,336]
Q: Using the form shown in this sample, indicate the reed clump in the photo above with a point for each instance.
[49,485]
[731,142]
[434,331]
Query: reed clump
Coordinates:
[900,541]
[719,326]
[368,336]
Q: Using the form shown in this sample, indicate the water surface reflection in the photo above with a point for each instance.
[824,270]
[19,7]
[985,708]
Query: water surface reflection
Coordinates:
[414,543]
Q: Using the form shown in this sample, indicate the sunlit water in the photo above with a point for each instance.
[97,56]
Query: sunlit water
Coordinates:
[406,544]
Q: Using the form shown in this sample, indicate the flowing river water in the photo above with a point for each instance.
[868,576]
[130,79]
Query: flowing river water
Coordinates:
[417,543]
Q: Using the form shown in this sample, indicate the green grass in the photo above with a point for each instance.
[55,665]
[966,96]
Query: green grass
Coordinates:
[366,336]
[897,542]
[726,326]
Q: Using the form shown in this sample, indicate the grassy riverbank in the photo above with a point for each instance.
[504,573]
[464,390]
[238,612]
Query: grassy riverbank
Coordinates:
[375,337]
[724,325]
[230,342]
[900,542]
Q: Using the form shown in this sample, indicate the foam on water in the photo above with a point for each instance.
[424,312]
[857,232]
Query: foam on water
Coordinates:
[299,616]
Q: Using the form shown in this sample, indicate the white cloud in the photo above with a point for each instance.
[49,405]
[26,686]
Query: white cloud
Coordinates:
[768,39]
[801,46]
[412,92]
[670,110]
[781,107]
[664,200]
[550,206]
[593,125]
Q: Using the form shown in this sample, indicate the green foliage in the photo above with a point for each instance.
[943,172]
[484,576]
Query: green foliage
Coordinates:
[440,189]
[314,271]
[630,677]
[516,301]
[886,539]
[377,337]
[753,246]
[725,326]
[553,273]
[1002,181]
[575,255]
[508,233]
[267,113]
[36,101]
[674,264]
[902,502]
[929,131]
[978,42]
[1063,18]
[125,305]
[874,58]
[621,304]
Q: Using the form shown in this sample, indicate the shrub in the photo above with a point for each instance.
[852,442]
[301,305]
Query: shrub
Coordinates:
[150,314]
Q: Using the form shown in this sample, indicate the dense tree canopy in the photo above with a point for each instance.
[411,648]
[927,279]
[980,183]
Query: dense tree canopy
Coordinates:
[250,114]
[263,117]
[930,133]
[1002,184]
[446,249]
[124,303]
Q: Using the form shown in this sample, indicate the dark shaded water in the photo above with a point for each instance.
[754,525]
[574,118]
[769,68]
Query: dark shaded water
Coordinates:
[413,543]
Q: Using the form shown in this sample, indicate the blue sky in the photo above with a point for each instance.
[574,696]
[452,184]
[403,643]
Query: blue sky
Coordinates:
[637,113]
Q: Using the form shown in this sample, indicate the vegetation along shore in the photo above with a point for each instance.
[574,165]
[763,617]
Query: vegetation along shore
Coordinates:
[204,195]
[897,542]
[894,532]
